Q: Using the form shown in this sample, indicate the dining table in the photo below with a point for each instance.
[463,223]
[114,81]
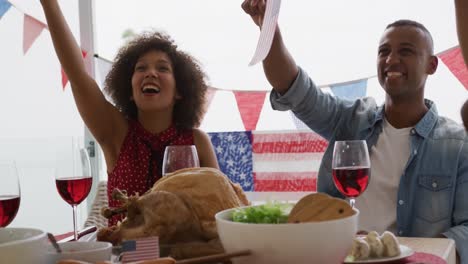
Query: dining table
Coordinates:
[444,248]
[427,250]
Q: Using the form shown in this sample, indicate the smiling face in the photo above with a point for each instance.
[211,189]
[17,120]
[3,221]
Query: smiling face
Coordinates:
[153,83]
[404,61]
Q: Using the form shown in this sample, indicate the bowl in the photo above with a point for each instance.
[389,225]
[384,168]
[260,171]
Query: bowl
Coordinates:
[94,251]
[23,245]
[313,242]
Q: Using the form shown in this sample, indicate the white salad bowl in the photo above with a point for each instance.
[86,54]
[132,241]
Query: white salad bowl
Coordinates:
[303,243]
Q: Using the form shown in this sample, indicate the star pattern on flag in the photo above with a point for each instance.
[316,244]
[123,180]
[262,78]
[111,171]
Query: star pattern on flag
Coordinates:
[234,153]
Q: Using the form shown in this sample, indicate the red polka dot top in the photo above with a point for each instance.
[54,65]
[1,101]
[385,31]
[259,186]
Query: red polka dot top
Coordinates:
[140,159]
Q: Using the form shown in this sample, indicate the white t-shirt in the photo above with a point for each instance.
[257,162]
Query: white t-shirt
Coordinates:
[377,205]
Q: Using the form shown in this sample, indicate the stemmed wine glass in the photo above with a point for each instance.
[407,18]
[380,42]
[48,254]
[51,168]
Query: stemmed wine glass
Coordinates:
[10,194]
[74,181]
[179,157]
[351,168]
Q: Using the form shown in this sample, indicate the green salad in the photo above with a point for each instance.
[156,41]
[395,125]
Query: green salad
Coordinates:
[270,213]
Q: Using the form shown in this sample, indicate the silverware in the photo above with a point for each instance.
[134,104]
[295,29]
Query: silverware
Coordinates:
[215,258]
[81,233]
[54,242]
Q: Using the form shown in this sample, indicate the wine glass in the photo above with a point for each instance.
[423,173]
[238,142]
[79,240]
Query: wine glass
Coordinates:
[10,194]
[179,157]
[73,181]
[351,168]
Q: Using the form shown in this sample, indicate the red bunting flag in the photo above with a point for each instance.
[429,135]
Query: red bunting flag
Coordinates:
[32,28]
[454,60]
[64,75]
[210,93]
[250,104]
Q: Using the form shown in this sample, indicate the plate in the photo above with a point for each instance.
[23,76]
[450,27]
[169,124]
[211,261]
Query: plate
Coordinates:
[405,252]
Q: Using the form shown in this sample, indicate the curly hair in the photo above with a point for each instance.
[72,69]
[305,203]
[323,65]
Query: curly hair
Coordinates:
[190,78]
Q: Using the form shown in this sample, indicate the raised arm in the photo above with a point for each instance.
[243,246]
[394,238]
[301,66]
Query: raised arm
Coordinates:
[461,7]
[105,122]
[279,66]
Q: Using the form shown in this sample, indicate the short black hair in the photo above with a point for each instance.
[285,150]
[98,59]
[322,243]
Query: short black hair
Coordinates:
[411,23]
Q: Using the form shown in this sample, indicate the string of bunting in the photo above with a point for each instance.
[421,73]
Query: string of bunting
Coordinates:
[249,102]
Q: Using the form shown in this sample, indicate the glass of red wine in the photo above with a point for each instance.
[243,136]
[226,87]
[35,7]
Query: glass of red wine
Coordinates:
[10,194]
[351,168]
[179,157]
[73,181]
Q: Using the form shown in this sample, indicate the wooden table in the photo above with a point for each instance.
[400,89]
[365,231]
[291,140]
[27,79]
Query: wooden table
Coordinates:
[442,247]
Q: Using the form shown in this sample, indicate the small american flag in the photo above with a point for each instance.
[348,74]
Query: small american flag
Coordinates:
[140,249]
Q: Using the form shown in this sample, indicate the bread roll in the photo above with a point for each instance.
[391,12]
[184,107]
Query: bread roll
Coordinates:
[375,244]
[360,249]
[390,243]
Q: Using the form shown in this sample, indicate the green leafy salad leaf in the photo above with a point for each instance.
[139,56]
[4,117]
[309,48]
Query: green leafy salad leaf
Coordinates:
[271,213]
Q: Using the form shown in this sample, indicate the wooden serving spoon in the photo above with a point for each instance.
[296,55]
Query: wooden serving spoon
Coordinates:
[318,207]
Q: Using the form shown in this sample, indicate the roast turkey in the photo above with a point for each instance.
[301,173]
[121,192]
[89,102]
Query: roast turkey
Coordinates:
[179,209]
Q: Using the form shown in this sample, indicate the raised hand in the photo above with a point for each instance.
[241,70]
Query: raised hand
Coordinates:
[255,9]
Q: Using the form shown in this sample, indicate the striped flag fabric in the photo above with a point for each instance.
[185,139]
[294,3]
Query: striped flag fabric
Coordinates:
[286,161]
[140,249]
[282,161]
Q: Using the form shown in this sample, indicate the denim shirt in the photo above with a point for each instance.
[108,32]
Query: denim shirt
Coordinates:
[433,190]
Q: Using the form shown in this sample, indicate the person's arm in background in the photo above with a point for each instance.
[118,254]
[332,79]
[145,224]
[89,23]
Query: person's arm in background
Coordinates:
[459,230]
[461,12]
[104,121]
[279,66]
[205,150]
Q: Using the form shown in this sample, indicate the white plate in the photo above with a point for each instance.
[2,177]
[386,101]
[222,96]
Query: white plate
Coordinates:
[405,252]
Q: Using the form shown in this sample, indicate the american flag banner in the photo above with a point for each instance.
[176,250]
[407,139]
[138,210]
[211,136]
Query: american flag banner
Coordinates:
[234,153]
[286,161]
[280,161]
[140,249]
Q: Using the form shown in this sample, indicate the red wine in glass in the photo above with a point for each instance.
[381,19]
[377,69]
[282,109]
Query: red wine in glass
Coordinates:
[351,168]
[351,181]
[10,193]
[74,190]
[73,179]
[9,205]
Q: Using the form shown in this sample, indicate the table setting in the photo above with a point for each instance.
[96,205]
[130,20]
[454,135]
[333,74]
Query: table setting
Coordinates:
[316,229]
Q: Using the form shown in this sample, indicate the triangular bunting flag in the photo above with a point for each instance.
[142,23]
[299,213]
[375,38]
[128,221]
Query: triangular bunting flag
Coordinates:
[453,59]
[4,6]
[250,104]
[103,68]
[64,75]
[210,93]
[352,90]
[32,28]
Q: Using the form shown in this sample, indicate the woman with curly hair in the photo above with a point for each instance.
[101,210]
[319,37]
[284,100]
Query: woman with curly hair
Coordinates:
[158,92]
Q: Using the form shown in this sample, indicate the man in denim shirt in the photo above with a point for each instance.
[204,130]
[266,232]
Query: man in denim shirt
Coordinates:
[419,182]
